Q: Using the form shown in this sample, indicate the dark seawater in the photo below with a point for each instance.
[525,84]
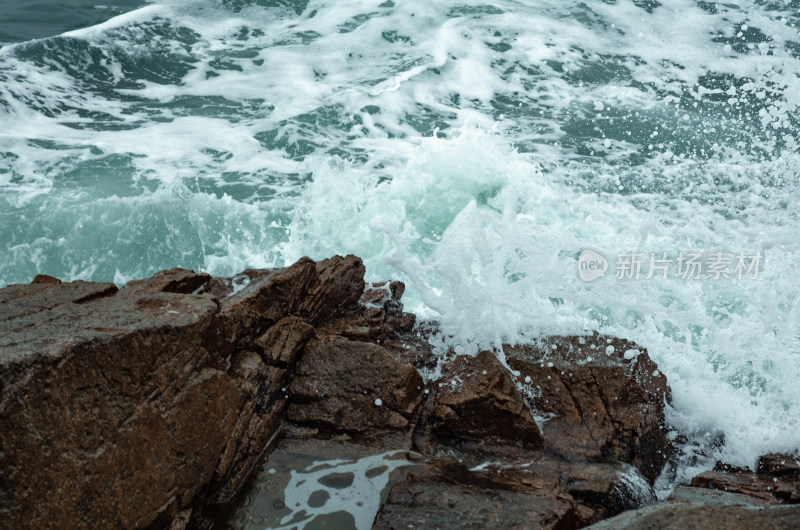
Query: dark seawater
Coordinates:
[472,149]
[22,20]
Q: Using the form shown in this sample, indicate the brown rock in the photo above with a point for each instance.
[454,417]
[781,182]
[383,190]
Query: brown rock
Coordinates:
[338,381]
[607,489]
[170,281]
[449,495]
[767,488]
[378,294]
[266,299]
[338,284]
[600,406]
[359,327]
[126,408]
[711,496]
[50,299]
[775,480]
[99,406]
[150,406]
[264,399]
[283,341]
[477,401]
[43,278]
[779,465]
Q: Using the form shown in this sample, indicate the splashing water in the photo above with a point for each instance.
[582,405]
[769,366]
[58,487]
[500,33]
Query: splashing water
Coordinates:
[472,150]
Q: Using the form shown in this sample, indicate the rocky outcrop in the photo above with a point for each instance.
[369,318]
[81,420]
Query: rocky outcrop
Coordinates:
[603,400]
[477,404]
[356,388]
[776,479]
[119,408]
[151,406]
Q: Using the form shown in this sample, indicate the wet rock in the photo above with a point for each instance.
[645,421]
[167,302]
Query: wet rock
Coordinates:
[450,495]
[353,387]
[43,278]
[181,521]
[247,313]
[476,401]
[170,281]
[775,480]
[150,406]
[122,408]
[711,496]
[264,399]
[719,514]
[377,317]
[338,284]
[101,396]
[726,497]
[23,303]
[779,465]
[308,482]
[606,489]
[283,342]
[381,293]
[603,400]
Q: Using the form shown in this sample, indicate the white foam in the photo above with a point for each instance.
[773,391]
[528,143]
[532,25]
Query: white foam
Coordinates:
[361,498]
[469,152]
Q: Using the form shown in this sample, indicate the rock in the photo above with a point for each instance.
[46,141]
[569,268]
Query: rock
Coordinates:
[264,399]
[282,343]
[309,483]
[344,386]
[606,489]
[476,401]
[338,284]
[449,495]
[181,521]
[603,399]
[710,496]
[767,487]
[43,278]
[151,406]
[170,281]
[247,313]
[381,293]
[22,303]
[94,384]
[727,497]
[779,465]
[143,406]
[706,515]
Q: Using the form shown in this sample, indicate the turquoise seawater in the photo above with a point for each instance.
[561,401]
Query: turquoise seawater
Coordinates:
[472,149]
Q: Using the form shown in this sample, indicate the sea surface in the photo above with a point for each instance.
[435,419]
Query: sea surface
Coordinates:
[472,149]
